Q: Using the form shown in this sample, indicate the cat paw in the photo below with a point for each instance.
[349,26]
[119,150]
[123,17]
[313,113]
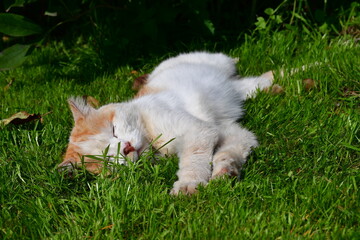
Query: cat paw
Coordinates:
[70,167]
[66,165]
[67,168]
[225,171]
[186,188]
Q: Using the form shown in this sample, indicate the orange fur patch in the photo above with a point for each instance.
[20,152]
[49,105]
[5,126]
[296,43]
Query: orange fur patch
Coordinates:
[145,90]
[83,129]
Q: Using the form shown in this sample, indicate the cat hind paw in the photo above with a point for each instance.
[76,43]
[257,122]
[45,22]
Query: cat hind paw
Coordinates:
[225,171]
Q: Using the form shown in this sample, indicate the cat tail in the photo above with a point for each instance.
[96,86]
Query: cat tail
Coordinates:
[247,87]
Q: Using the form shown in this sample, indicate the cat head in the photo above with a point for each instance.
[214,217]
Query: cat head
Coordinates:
[108,133]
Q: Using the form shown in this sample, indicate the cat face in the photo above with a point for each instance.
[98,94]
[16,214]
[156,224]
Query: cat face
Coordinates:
[100,133]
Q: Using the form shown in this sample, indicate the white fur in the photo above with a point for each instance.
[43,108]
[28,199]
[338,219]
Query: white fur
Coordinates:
[198,105]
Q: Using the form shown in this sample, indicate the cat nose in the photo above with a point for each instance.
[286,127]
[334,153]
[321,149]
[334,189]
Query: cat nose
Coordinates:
[128,148]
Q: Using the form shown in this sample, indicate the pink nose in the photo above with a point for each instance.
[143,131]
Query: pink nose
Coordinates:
[128,148]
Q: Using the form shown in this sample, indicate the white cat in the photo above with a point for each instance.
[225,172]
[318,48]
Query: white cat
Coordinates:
[193,98]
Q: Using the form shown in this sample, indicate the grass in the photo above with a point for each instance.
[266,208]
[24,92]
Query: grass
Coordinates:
[302,182]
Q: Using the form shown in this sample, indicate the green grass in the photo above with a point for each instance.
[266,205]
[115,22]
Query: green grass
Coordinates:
[302,182]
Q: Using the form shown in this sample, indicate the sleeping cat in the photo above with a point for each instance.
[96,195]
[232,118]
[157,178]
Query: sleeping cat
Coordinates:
[194,99]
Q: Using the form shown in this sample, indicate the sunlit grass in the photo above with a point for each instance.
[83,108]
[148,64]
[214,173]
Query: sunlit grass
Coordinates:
[301,182]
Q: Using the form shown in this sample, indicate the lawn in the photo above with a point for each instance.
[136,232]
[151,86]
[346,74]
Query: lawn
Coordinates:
[302,182]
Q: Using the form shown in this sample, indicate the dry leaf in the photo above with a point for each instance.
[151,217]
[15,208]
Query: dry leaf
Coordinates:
[9,84]
[107,227]
[277,89]
[347,93]
[92,101]
[309,83]
[274,89]
[20,118]
[140,81]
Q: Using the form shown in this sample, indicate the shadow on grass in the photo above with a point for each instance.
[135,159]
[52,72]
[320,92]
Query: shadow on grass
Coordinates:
[83,61]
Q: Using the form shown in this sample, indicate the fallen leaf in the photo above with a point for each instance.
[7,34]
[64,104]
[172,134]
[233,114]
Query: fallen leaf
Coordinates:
[9,84]
[20,118]
[277,89]
[274,89]
[309,83]
[107,227]
[92,101]
[307,233]
[347,93]
[140,81]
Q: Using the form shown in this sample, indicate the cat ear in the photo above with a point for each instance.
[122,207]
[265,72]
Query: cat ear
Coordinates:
[79,108]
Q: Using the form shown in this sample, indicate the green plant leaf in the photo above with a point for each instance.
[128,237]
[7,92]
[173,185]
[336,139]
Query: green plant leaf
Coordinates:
[17,26]
[269,11]
[210,26]
[13,56]
[278,19]
[298,16]
[324,28]
[13,3]
[261,23]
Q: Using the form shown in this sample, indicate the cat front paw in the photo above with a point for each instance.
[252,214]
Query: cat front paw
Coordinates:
[186,188]
[69,166]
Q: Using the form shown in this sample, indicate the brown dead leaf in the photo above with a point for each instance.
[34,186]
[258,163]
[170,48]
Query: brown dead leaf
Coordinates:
[140,81]
[353,30]
[20,118]
[277,89]
[347,93]
[107,227]
[308,232]
[274,89]
[9,84]
[309,83]
[92,101]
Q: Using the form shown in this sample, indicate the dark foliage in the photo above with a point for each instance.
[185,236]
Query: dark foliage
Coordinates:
[119,29]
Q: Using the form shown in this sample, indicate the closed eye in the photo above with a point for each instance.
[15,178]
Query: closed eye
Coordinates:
[113,131]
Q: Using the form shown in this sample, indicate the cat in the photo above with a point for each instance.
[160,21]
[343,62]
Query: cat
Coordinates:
[195,99]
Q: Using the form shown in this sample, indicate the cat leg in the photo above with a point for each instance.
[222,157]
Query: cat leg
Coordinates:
[195,161]
[235,146]
[216,60]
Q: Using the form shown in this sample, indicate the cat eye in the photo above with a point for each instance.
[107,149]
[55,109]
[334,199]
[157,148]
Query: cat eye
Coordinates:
[113,132]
